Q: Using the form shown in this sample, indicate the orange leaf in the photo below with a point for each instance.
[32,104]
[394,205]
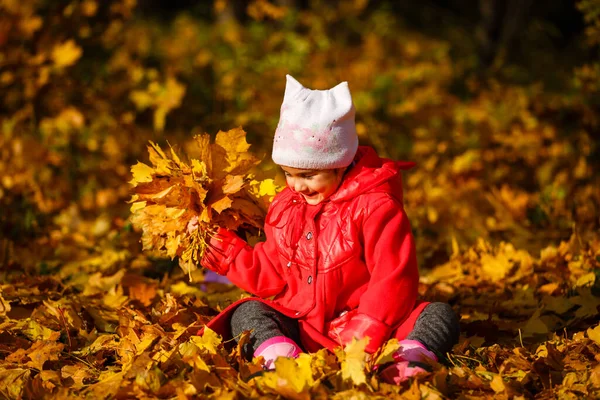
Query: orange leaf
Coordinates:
[222,204]
[143,292]
[42,351]
[233,184]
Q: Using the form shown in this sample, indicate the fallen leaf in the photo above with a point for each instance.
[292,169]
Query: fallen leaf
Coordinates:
[77,373]
[66,54]
[209,340]
[292,378]
[143,292]
[42,351]
[4,306]
[353,360]
[222,204]
[497,384]
[13,381]
[594,334]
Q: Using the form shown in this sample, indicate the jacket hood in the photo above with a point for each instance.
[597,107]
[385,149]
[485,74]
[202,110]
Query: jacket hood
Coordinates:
[371,174]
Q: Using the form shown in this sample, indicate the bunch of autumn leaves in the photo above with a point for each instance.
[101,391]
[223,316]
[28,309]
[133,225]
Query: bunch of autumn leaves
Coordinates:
[217,189]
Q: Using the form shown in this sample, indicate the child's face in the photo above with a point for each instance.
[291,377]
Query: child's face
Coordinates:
[315,185]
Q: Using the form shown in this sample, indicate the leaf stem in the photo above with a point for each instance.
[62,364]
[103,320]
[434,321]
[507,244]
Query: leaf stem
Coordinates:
[64,322]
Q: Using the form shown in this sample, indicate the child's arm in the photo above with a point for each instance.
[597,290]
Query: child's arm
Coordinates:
[255,270]
[390,255]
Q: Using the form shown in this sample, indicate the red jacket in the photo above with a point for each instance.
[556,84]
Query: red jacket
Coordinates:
[345,267]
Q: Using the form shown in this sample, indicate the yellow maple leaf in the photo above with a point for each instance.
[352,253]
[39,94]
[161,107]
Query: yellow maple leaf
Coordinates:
[150,379]
[148,338]
[78,373]
[268,188]
[181,288]
[141,173]
[42,351]
[66,54]
[173,244]
[291,379]
[233,184]
[14,382]
[386,353]
[190,354]
[353,359]
[102,342]
[586,280]
[115,298]
[208,341]
[137,205]
[233,141]
[4,305]
[107,385]
[34,331]
[594,334]
[222,204]
[238,159]
[497,384]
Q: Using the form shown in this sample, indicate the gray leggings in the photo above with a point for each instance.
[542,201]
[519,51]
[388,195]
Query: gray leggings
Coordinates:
[437,327]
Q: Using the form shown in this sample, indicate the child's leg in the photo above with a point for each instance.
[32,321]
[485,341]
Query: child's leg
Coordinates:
[437,328]
[271,332]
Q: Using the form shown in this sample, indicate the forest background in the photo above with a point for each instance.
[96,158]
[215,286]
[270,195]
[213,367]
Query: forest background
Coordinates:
[498,103]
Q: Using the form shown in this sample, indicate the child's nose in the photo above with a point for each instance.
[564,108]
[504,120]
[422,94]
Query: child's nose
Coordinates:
[299,185]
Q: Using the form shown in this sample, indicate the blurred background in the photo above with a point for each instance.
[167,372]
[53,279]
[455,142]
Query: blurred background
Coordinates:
[496,101]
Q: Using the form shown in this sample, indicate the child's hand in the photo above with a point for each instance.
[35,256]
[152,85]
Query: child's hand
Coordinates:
[361,325]
[192,225]
[223,243]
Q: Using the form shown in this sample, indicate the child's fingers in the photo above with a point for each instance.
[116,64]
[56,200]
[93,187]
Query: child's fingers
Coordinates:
[193,224]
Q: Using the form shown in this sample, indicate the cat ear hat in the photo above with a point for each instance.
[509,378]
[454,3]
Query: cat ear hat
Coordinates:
[316,128]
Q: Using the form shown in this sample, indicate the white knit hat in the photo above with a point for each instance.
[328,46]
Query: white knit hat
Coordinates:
[316,128]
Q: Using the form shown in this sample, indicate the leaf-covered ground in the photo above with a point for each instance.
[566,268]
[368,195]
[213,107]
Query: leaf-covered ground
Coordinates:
[504,201]
[112,324]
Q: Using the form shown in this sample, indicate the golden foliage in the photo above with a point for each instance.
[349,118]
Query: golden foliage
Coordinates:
[214,191]
[65,54]
[78,344]
[506,173]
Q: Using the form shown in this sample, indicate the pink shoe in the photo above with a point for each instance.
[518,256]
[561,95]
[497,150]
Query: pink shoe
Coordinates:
[278,346]
[411,359]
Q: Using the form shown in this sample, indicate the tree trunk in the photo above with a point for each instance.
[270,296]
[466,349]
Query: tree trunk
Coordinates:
[498,28]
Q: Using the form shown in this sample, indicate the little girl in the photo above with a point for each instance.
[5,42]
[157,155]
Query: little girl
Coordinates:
[339,259]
